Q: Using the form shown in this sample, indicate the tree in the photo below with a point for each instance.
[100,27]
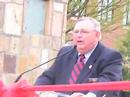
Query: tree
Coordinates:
[124,46]
[78,8]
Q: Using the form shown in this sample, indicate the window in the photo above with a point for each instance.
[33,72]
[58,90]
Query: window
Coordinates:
[126,18]
[34,16]
[105,10]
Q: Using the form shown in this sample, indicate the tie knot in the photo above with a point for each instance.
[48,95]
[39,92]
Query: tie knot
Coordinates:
[81,57]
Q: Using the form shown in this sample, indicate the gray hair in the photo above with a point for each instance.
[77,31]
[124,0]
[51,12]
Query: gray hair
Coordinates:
[93,21]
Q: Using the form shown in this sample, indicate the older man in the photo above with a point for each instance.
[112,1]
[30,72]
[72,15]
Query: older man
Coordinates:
[87,61]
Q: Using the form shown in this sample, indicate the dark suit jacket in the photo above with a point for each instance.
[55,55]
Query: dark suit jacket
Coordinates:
[106,66]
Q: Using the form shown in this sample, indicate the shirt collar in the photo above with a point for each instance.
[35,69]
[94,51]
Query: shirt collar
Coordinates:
[87,55]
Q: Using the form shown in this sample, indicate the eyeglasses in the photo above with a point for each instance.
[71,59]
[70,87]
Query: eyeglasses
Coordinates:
[82,31]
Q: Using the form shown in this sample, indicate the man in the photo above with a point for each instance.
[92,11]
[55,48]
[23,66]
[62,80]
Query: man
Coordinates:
[101,64]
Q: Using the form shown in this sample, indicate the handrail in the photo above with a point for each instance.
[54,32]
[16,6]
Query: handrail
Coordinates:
[105,86]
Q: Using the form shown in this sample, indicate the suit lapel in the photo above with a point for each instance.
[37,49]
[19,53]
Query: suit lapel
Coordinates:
[90,63]
[71,62]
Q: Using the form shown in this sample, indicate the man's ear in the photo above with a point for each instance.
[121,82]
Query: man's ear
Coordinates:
[98,34]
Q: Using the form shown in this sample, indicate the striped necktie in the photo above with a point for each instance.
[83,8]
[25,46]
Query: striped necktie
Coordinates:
[78,67]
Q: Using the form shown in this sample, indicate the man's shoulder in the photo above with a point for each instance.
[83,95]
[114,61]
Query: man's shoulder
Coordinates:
[108,51]
[67,47]
[66,50]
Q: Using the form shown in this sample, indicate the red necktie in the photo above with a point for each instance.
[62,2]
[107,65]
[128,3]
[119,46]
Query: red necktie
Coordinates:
[77,69]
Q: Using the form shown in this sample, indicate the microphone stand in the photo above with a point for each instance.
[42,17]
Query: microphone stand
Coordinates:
[18,78]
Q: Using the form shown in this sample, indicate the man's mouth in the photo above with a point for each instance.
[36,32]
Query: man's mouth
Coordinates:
[79,41]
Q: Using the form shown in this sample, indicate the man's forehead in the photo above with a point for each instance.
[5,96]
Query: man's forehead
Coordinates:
[84,25]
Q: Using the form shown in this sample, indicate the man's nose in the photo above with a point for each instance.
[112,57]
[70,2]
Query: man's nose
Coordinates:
[79,33]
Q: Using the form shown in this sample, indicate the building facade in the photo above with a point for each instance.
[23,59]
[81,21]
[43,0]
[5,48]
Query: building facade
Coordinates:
[31,32]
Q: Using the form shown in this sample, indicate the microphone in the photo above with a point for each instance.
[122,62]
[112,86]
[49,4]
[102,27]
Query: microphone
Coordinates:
[18,78]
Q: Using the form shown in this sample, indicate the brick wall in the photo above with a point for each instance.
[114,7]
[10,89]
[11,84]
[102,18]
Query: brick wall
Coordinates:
[20,51]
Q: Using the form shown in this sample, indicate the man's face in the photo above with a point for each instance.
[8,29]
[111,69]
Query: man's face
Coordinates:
[85,36]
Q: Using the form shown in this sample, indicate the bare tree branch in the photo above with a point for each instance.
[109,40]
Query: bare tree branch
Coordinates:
[95,11]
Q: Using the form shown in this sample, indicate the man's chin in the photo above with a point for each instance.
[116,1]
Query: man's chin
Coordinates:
[80,49]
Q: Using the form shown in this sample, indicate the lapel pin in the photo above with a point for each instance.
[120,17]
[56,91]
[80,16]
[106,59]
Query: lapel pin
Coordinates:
[90,66]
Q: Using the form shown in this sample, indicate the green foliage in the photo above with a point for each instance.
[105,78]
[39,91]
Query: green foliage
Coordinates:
[124,46]
[76,8]
[126,71]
